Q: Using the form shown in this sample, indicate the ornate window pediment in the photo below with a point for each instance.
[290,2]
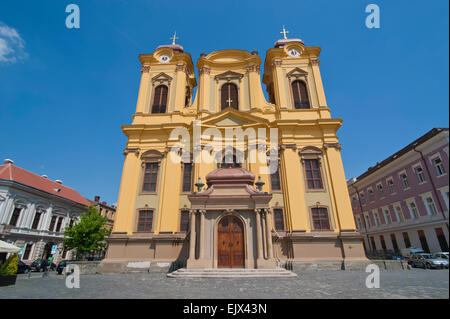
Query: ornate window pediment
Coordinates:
[151,156]
[310,152]
[297,73]
[228,76]
[161,78]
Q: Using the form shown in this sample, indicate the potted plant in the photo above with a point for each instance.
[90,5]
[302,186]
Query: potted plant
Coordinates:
[8,271]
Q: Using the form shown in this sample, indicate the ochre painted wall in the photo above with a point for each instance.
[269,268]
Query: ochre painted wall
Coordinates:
[296,129]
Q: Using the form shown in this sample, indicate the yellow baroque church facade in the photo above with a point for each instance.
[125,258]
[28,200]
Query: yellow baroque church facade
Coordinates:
[221,213]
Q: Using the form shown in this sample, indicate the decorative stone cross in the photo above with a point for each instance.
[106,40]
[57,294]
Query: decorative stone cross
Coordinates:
[284,32]
[174,38]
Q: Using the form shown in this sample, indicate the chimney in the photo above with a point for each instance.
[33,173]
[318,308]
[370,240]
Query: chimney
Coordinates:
[104,203]
[44,176]
[58,181]
[8,161]
[97,199]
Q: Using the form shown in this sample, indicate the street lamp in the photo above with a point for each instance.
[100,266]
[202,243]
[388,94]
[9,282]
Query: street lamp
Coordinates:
[259,184]
[199,185]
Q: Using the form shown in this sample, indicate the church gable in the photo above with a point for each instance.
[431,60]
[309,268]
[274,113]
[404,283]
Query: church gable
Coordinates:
[231,117]
[229,121]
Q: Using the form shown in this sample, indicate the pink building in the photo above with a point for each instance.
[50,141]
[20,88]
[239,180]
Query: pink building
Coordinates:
[403,201]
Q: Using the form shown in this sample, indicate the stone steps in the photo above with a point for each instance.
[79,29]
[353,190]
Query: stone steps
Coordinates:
[231,273]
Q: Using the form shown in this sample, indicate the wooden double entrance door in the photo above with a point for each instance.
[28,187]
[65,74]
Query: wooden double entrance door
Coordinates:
[230,243]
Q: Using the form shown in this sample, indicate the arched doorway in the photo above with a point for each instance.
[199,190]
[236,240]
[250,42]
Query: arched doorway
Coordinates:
[230,243]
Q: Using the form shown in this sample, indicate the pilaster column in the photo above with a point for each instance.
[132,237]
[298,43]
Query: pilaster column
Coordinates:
[318,83]
[30,215]
[180,87]
[48,215]
[24,209]
[264,233]
[268,234]
[6,216]
[259,233]
[192,236]
[279,84]
[202,233]
[203,91]
[143,89]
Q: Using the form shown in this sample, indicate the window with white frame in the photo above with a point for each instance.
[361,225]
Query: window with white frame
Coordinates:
[355,201]
[367,220]
[391,186]
[387,216]
[445,195]
[419,173]
[399,214]
[431,207]
[371,197]
[404,179]
[358,223]
[438,166]
[380,190]
[362,198]
[377,219]
[413,210]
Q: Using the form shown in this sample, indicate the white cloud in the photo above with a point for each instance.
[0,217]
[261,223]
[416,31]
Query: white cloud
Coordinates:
[12,46]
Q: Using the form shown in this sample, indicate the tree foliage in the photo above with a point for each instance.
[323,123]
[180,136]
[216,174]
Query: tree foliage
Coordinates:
[88,234]
[9,267]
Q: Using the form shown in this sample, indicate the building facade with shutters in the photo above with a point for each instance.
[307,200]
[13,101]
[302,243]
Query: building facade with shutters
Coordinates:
[241,217]
[34,211]
[403,201]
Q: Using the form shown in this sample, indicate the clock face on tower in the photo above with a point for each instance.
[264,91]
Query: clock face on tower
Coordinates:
[293,53]
[164,58]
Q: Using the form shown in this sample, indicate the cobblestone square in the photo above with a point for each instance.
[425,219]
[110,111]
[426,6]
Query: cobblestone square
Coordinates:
[415,283]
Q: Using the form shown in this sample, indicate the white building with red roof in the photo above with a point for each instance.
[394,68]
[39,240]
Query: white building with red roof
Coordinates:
[34,211]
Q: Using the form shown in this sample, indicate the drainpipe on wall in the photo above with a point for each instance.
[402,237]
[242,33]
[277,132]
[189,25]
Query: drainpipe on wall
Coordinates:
[363,219]
[432,185]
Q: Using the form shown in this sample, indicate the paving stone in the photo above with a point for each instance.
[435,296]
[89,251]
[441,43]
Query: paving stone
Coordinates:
[415,283]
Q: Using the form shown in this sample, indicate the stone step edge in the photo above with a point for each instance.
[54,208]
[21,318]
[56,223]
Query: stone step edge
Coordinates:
[243,270]
[229,276]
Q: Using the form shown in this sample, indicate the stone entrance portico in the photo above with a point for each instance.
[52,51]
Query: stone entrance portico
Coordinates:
[230,192]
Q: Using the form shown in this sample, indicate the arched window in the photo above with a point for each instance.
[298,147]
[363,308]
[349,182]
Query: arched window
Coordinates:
[160,99]
[229,96]
[300,95]
[320,219]
[151,160]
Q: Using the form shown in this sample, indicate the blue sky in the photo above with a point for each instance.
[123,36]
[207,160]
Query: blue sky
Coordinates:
[64,93]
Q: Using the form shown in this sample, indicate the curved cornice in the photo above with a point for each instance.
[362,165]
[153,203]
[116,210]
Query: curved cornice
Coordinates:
[228,59]
[176,59]
[274,54]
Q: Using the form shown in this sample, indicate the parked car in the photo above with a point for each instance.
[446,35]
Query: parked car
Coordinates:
[23,268]
[392,255]
[61,267]
[442,255]
[428,261]
[408,252]
[38,265]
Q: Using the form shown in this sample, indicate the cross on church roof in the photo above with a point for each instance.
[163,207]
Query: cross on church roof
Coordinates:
[284,32]
[174,38]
